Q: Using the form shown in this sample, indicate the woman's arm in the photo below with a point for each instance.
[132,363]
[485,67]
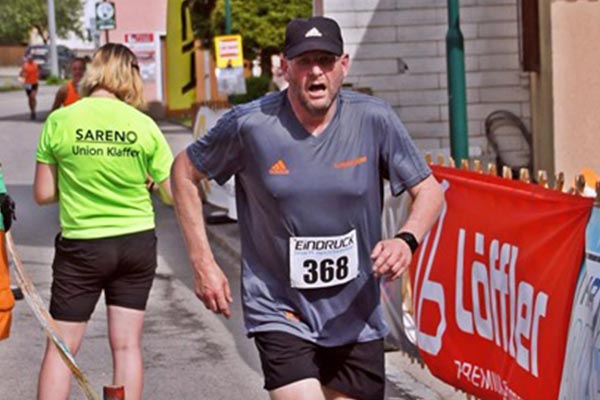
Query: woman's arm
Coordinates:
[45,184]
[60,97]
[164,192]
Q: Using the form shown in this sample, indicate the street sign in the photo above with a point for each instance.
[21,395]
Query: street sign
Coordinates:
[143,46]
[105,15]
[228,50]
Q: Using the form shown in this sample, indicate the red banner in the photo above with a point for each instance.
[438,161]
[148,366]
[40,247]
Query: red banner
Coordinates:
[494,282]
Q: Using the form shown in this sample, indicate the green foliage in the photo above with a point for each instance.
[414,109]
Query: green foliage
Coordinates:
[54,80]
[20,16]
[255,88]
[261,23]
[200,12]
[11,88]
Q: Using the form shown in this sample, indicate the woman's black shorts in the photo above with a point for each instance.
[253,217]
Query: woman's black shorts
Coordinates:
[30,88]
[356,370]
[122,266]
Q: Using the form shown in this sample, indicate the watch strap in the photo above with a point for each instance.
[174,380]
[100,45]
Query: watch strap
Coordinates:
[410,239]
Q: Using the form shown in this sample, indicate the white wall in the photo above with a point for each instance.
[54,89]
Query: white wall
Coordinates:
[576,82]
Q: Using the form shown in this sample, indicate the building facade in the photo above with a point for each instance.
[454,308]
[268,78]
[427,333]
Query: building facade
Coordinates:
[398,49]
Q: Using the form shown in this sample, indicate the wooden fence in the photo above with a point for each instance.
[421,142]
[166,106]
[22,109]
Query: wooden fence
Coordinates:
[11,55]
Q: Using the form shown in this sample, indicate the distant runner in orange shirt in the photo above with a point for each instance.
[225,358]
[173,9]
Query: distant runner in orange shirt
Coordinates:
[69,94]
[30,72]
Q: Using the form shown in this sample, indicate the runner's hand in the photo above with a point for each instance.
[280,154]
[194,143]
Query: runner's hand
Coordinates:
[212,287]
[391,257]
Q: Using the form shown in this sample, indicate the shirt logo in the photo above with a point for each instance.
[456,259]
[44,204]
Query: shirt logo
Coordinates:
[279,168]
[351,163]
[314,32]
[292,316]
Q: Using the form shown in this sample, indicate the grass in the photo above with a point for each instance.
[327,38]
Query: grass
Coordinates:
[54,80]
[10,88]
[185,121]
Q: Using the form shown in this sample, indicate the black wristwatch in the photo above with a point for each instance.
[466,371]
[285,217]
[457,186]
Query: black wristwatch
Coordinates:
[410,239]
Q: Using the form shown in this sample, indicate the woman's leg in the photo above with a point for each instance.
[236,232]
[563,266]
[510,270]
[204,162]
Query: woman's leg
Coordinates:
[125,335]
[54,382]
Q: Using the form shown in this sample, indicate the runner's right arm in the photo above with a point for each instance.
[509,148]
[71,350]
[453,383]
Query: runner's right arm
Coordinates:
[211,284]
[60,97]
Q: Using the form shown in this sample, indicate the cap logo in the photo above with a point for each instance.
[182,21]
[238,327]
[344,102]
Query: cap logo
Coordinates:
[314,32]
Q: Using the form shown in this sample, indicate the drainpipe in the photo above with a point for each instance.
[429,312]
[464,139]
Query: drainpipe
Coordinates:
[457,98]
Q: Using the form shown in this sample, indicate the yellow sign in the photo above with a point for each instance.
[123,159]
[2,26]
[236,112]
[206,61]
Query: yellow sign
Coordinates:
[181,65]
[229,51]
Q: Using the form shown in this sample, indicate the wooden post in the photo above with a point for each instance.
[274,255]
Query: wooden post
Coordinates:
[559,182]
[524,175]
[506,172]
[492,169]
[464,164]
[542,178]
[113,393]
[428,158]
[477,166]
[440,159]
[451,162]
[579,185]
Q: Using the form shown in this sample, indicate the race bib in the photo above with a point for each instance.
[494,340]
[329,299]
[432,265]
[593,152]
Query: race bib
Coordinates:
[319,262]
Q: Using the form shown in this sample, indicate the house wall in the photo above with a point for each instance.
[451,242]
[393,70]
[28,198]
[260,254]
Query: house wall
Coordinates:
[142,16]
[576,85]
[382,35]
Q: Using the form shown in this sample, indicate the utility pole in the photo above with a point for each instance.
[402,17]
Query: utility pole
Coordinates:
[317,8]
[228,17]
[52,38]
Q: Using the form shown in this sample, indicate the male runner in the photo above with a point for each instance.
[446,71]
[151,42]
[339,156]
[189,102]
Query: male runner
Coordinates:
[309,163]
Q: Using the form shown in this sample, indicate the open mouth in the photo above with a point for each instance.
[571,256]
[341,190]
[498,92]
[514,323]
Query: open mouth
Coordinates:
[316,88]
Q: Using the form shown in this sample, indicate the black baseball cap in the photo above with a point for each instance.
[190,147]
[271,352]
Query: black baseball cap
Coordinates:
[314,33]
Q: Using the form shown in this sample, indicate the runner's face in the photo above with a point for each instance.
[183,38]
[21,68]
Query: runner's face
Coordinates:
[77,71]
[315,78]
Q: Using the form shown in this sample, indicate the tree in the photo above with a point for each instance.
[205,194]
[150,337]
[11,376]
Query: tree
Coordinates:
[261,24]
[201,11]
[19,17]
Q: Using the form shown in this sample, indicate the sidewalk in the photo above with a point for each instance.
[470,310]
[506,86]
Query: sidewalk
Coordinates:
[174,369]
[9,76]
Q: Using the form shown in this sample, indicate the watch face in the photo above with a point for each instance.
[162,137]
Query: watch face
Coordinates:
[105,10]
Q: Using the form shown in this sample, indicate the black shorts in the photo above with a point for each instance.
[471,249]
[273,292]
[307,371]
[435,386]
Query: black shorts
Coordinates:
[356,370]
[122,266]
[30,87]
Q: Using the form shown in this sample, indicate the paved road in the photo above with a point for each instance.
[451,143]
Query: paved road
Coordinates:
[189,352]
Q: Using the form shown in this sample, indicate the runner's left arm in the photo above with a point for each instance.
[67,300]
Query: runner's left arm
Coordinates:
[392,256]
[45,184]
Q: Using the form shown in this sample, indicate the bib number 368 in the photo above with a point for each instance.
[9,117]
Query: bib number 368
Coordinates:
[327,270]
[317,262]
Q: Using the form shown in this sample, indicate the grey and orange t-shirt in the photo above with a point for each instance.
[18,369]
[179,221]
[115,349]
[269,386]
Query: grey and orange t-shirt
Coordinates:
[309,211]
[104,150]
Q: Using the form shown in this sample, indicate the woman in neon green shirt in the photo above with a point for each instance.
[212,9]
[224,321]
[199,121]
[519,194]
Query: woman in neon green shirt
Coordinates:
[94,157]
